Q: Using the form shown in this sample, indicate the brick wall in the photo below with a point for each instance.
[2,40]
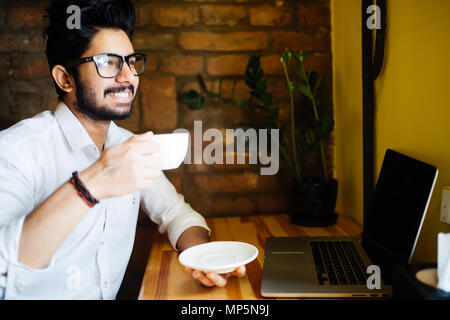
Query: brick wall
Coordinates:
[182,39]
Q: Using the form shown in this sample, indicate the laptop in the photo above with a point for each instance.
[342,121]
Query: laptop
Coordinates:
[338,267]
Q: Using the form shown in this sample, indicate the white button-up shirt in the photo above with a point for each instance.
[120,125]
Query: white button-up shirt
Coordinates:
[37,156]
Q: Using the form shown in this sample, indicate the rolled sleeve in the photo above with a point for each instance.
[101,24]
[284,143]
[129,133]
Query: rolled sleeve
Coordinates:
[15,275]
[16,202]
[168,209]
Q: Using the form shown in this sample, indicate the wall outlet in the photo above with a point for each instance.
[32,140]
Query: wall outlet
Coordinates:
[445,205]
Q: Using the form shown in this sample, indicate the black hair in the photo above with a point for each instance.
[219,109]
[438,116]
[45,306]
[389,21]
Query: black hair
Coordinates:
[64,44]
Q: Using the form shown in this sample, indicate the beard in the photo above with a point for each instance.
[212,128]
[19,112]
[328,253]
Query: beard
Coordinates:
[88,105]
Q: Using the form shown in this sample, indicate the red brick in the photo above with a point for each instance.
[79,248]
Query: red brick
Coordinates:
[151,41]
[175,180]
[284,115]
[5,63]
[2,18]
[151,63]
[241,90]
[318,41]
[269,183]
[227,65]
[196,168]
[159,108]
[143,15]
[242,182]
[270,16]
[230,206]
[234,165]
[316,14]
[30,42]
[182,65]
[277,87]
[210,113]
[24,67]
[226,183]
[271,64]
[214,113]
[26,17]
[219,15]
[27,98]
[133,123]
[224,86]
[209,41]
[271,203]
[321,63]
[175,16]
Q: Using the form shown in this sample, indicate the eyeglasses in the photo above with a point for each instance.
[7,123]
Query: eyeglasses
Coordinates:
[110,65]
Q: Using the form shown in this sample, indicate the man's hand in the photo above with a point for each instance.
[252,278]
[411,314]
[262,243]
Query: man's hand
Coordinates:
[124,168]
[198,235]
[212,279]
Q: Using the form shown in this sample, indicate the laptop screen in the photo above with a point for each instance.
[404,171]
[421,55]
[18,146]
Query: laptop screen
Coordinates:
[399,204]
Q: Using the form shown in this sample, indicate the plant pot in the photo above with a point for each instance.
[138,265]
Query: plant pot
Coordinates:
[313,204]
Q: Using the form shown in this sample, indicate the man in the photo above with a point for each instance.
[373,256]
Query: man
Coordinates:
[71,181]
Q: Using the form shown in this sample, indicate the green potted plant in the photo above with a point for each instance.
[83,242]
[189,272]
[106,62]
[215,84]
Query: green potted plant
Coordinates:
[313,194]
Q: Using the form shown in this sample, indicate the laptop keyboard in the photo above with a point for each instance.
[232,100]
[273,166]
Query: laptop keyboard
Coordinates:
[338,263]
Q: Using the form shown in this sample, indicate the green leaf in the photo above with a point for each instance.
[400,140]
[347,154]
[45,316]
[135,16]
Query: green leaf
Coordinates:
[300,56]
[214,95]
[285,58]
[300,74]
[323,127]
[228,100]
[304,90]
[261,87]
[290,85]
[273,115]
[253,71]
[194,99]
[266,99]
[242,104]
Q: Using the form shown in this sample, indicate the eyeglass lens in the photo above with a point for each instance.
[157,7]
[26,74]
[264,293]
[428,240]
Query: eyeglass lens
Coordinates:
[110,66]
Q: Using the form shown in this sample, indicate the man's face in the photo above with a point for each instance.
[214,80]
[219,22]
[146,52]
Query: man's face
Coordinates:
[102,98]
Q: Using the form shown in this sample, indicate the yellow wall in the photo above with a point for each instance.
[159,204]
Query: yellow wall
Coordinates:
[412,101]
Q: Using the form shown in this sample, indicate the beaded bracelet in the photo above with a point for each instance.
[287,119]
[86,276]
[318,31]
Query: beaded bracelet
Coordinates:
[82,191]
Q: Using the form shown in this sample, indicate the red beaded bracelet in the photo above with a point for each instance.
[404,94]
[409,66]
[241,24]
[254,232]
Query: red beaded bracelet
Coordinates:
[82,191]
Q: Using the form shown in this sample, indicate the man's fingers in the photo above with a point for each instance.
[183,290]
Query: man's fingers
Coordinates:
[145,143]
[213,279]
[152,162]
[239,272]
[148,147]
[144,135]
[218,280]
[201,277]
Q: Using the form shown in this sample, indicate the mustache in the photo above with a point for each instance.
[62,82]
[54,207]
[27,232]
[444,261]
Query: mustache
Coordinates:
[119,89]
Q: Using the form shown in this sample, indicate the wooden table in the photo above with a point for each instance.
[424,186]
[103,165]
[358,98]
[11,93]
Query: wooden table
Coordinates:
[166,278]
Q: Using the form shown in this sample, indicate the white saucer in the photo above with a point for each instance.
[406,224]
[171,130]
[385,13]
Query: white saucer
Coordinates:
[218,256]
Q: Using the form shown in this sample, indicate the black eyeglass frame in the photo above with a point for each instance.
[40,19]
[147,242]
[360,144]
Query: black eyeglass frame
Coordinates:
[75,62]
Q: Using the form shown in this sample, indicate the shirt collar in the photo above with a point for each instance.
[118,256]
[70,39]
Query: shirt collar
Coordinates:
[76,134]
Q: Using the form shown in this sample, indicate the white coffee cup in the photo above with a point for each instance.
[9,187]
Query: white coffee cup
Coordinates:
[172,149]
